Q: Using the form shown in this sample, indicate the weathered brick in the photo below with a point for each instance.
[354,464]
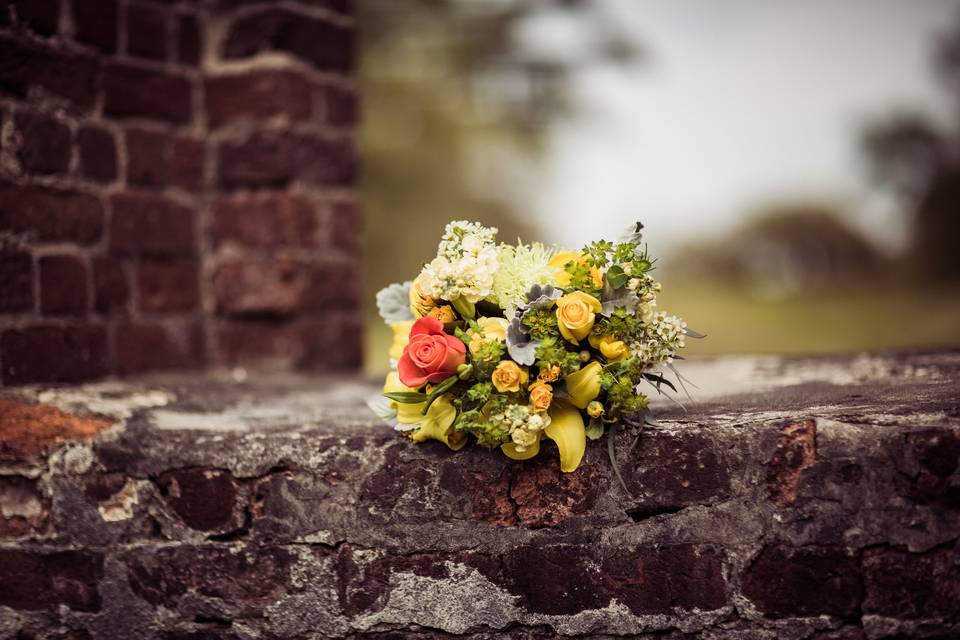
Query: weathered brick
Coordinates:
[30,431]
[134,92]
[63,285]
[905,585]
[53,354]
[340,106]
[96,24]
[796,451]
[151,224]
[929,466]
[69,75]
[257,95]
[333,284]
[331,344]
[266,342]
[16,280]
[156,159]
[261,286]
[41,16]
[51,215]
[110,287]
[346,225]
[146,346]
[203,498]
[253,576]
[47,580]
[23,508]
[98,153]
[44,142]
[188,39]
[326,46]
[147,31]
[268,219]
[168,284]
[274,159]
[804,581]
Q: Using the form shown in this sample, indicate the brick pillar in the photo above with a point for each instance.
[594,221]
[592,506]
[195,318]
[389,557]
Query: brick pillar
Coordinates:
[176,187]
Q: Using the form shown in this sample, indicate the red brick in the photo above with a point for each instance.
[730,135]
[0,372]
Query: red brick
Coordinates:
[340,106]
[63,285]
[261,286]
[134,92]
[326,46]
[333,283]
[203,498]
[804,581]
[904,585]
[98,153]
[151,224]
[266,342]
[49,580]
[110,287]
[148,29]
[168,284]
[186,163]
[16,280]
[188,39]
[149,345]
[41,16]
[53,354]
[51,215]
[95,22]
[146,157]
[264,220]
[44,142]
[332,344]
[274,159]
[157,159]
[345,225]
[69,75]
[257,94]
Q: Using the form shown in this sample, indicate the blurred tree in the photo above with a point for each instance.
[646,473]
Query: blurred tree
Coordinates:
[783,251]
[455,107]
[921,164]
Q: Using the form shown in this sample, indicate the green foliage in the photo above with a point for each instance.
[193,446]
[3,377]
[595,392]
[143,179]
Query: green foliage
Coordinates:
[621,325]
[620,385]
[541,323]
[552,352]
[486,358]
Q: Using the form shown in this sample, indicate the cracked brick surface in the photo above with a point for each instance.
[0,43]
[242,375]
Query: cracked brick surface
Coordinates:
[808,499]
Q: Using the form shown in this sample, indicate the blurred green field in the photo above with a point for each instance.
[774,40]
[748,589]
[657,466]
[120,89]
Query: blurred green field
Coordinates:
[873,318]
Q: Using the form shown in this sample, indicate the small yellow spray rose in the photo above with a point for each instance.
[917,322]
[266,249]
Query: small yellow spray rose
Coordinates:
[612,349]
[444,314]
[549,374]
[420,302]
[576,313]
[541,395]
[509,376]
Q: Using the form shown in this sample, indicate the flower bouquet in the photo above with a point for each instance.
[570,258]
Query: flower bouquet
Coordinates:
[511,344]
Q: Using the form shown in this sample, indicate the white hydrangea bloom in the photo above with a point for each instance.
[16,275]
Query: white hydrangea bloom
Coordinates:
[465,265]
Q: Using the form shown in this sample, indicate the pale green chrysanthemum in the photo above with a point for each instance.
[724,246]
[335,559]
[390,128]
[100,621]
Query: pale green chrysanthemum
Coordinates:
[521,267]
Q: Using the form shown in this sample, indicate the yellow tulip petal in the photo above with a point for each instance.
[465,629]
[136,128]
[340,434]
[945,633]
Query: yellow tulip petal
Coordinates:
[406,413]
[437,425]
[401,336]
[567,430]
[510,450]
[584,385]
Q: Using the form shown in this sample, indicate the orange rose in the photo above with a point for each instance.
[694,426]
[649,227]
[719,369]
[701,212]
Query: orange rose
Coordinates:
[541,395]
[431,355]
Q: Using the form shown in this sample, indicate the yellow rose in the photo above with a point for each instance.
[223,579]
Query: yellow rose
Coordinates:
[420,302]
[549,374]
[541,395]
[613,350]
[401,336]
[561,278]
[493,329]
[508,376]
[444,314]
[584,385]
[576,313]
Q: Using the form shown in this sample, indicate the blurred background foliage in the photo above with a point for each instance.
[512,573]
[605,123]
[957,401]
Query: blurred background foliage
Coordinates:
[456,112]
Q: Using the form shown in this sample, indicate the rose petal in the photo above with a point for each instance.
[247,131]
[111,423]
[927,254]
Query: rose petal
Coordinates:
[455,343]
[427,325]
[410,374]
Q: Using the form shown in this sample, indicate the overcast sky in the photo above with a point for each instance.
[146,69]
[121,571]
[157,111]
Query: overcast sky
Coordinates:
[741,103]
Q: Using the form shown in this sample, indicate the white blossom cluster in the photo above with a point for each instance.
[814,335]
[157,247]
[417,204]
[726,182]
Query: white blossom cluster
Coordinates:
[664,337]
[523,425]
[465,265]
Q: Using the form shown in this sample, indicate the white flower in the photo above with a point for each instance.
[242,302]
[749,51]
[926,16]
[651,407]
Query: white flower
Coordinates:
[465,265]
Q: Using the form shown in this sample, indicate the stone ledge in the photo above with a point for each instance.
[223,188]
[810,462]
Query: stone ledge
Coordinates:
[822,501]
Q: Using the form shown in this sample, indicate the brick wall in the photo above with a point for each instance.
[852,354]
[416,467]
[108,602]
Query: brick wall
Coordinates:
[176,186]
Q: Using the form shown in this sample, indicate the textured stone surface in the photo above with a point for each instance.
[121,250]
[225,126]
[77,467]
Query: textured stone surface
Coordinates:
[819,502]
